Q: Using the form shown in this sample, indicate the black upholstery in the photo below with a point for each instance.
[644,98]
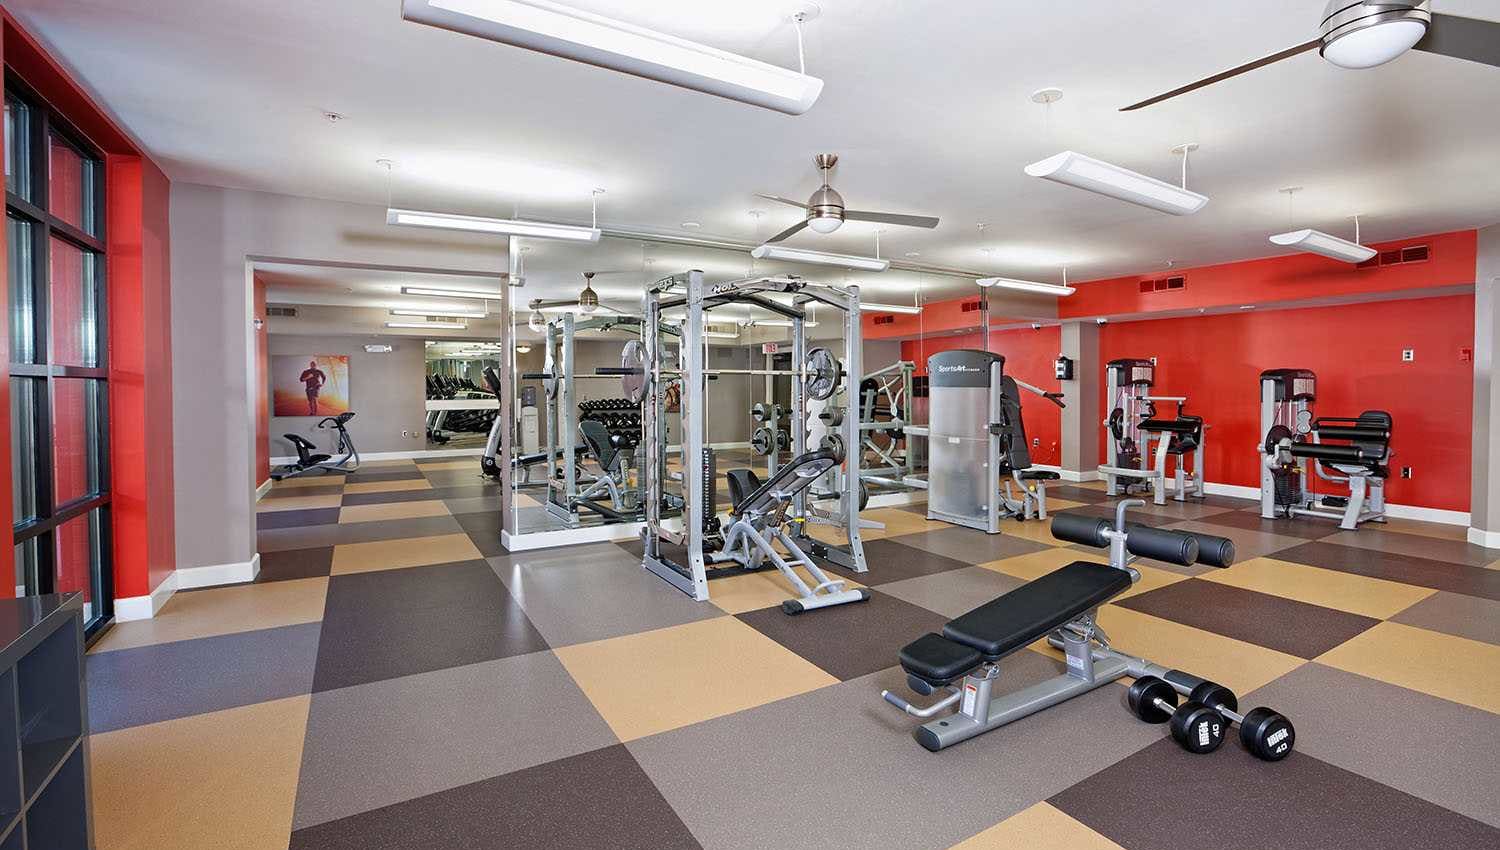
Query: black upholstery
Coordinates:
[596,437]
[1010,622]
[1039,475]
[742,482]
[798,473]
[307,453]
[935,659]
[1186,431]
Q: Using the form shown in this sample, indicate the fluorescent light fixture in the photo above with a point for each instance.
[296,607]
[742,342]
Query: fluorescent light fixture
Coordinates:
[1319,242]
[378,349]
[908,309]
[482,224]
[557,30]
[819,258]
[779,323]
[447,326]
[447,314]
[432,292]
[1091,174]
[1025,285]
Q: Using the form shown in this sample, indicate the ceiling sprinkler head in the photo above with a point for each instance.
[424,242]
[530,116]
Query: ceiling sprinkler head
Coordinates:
[334,117]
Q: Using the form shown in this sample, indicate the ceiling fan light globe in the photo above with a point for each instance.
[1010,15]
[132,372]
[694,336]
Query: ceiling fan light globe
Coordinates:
[1373,45]
[825,225]
[536,321]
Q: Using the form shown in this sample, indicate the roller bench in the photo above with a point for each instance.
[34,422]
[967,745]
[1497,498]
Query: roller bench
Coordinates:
[965,660]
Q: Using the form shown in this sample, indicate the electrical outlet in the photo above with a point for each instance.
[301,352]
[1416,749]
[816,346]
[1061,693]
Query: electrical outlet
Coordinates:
[1405,472]
[1408,355]
[1036,442]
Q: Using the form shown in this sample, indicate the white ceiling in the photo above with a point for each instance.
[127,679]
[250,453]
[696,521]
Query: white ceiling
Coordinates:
[927,104]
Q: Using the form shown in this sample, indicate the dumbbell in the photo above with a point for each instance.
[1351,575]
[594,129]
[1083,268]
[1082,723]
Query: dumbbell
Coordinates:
[1265,733]
[1195,726]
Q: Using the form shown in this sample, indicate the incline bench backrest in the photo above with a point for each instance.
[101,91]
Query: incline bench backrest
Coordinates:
[798,474]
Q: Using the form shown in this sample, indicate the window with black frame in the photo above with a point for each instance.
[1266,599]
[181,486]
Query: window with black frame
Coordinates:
[54,230]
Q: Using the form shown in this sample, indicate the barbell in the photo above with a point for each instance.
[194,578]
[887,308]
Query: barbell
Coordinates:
[821,372]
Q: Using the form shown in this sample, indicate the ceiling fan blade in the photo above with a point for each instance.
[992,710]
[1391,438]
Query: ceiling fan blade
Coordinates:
[788,232]
[614,271]
[1463,38]
[926,221]
[779,199]
[1232,72]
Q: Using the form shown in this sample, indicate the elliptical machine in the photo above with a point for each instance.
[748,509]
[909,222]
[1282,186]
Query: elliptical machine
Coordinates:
[309,458]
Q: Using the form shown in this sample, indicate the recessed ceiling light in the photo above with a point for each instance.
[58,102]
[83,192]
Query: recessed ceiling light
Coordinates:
[691,225]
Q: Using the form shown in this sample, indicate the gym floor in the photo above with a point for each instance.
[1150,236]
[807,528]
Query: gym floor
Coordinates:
[395,680]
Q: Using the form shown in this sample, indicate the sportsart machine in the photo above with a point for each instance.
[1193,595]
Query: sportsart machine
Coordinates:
[1131,459]
[975,436]
[1293,437]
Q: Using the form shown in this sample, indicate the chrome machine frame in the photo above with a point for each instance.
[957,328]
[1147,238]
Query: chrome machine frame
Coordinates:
[689,292]
[1128,396]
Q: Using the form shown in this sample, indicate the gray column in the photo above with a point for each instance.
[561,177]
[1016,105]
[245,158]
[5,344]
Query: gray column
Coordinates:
[1484,499]
[1081,418]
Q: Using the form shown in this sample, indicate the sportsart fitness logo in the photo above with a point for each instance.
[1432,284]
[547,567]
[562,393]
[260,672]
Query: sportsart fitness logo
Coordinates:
[958,368]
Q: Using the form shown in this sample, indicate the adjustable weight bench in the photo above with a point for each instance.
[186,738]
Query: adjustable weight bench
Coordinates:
[760,509]
[1061,607]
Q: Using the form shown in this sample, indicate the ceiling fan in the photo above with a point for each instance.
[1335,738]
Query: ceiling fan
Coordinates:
[1365,33]
[826,211]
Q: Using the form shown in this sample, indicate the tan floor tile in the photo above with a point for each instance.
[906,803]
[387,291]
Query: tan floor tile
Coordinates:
[388,486]
[899,522]
[1242,667]
[1151,579]
[395,463]
[392,510]
[1041,827]
[406,552]
[1445,666]
[222,611]
[1356,594]
[457,463]
[653,681]
[308,481]
[225,780]
[1037,532]
[1037,564]
[738,594]
[298,503]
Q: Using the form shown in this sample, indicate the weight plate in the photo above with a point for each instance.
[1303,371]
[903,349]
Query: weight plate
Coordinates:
[1275,436]
[549,380]
[864,495]
[822,374]
[759,412]
[633,384]
[1117,423]
[1215,695]
[783,440]
[761,441]
[834,443]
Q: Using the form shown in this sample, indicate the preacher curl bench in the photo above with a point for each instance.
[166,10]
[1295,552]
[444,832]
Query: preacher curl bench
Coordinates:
[1061,607]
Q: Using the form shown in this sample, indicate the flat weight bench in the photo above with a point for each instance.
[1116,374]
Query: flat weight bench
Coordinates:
[1060,606]
[760,509]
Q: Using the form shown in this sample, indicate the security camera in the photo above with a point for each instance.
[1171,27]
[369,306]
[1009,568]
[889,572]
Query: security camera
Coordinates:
[1101,321]
[1036,326]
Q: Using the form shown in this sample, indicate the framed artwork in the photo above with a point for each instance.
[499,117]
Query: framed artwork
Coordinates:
[309,385]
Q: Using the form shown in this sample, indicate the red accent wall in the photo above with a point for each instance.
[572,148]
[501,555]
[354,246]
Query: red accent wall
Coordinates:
[139,308]
[262,384]
[1355,350]
[1029,355]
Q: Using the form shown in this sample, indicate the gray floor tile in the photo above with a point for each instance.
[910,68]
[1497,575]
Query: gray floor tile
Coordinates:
[891,561]
[954,592]
[1416,545]
[969,545]
[848,641]
[474,505]
[837,767]
[373,745]
[1422,572]
[1190,509]
[383,473]
[281,539]
[484,529]
[1095,553]
[1307,529]
[1248,543]
[334,486]
[130,687]
[597,799]
[1456,614]
[1230,800]
[389,498]
[585,593]
[1438,750]
[291,519]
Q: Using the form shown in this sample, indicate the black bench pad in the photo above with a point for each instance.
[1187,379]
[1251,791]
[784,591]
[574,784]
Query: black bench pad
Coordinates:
[934,658]
[1029,612]
[1039,475]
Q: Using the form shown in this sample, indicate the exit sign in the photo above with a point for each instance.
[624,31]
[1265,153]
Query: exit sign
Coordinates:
[769,347]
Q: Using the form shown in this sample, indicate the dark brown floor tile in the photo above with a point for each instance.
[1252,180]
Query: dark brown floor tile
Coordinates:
[401,473]
[473,491]
[1441,575]
[388,623]
[295,563]
[969,545]
[388,498]
[598,799]
[848,641]
[309,536]
[334,487]
[484,529]
[1307,529]
[1285,625]
[1232,801]
[1074,493]
[293,519]
[891,561]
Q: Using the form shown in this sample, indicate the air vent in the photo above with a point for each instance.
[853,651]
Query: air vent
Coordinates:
[1163,284]
[886,319]
[1398,257]
[970,306]
[283,312]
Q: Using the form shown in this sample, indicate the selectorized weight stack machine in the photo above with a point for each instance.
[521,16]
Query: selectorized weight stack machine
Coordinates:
[1133,426]
[779,508]
[1292,437]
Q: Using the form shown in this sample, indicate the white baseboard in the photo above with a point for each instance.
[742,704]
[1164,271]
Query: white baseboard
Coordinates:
[145,607]
[1233,490]
[1427,514]
[420,454]
[570,536]
[1487,539]
[216,574]
[263,489]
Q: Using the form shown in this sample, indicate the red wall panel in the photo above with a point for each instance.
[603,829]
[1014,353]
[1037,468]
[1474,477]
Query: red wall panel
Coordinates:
[1355,351]
[1029,355]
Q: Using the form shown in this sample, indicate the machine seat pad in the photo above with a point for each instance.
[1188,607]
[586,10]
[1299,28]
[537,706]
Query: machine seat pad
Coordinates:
[1010,622]
[1039,475]
[935,659]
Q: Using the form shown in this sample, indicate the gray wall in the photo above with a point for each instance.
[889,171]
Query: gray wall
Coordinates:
[1081,418]
[215,234]
[387,393]
[1484,500]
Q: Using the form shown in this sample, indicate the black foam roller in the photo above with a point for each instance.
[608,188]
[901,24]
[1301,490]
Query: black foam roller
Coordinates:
[1213,551]
[1174,547]
[1354,432]
[1088,530]
[1326,452]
